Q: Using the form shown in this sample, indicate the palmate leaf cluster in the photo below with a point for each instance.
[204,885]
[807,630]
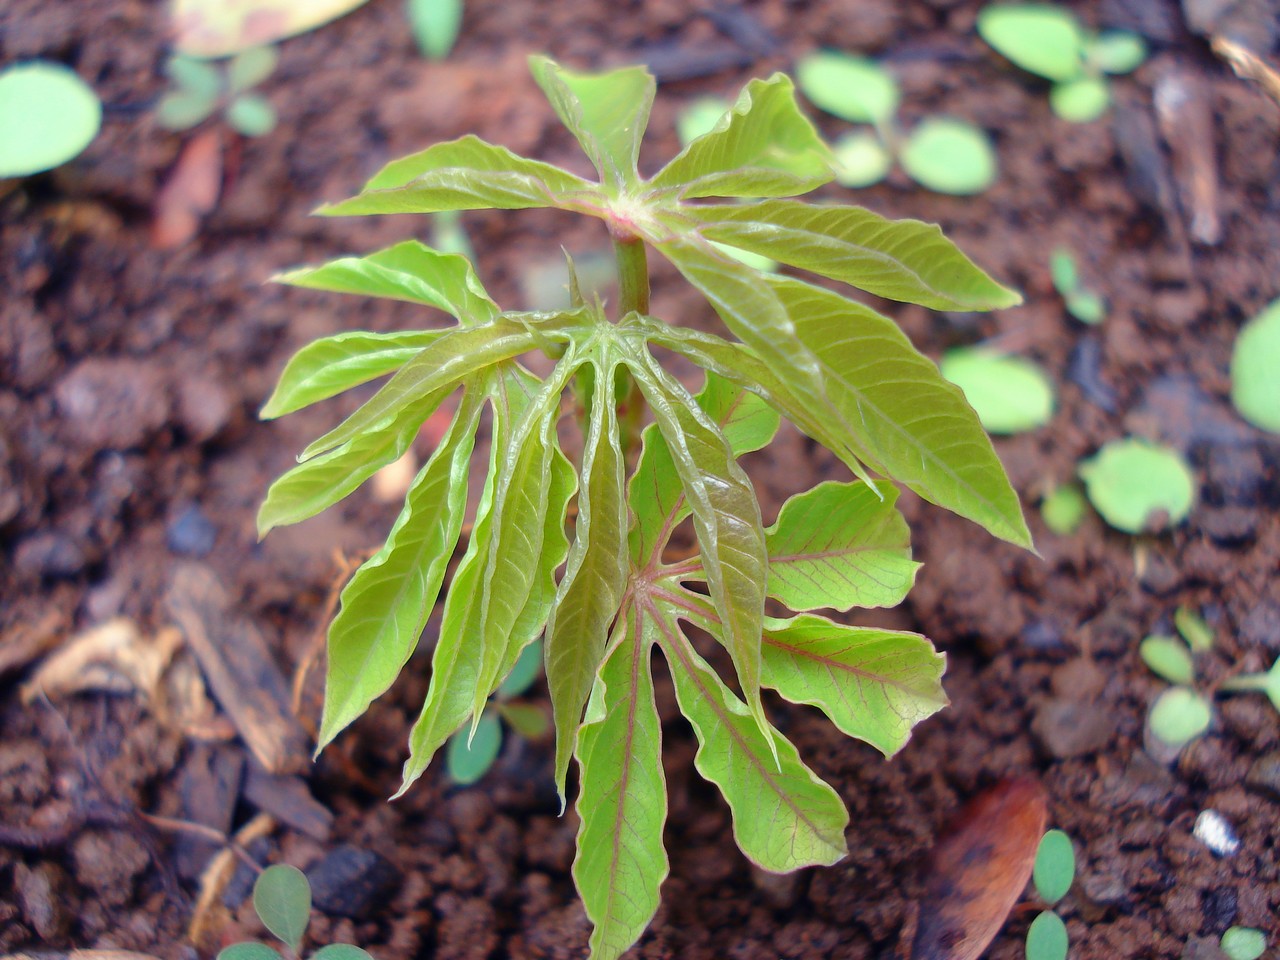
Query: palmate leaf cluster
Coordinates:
[602,591]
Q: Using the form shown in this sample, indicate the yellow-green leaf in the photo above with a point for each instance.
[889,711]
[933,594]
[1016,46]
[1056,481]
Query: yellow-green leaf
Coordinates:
[219,28]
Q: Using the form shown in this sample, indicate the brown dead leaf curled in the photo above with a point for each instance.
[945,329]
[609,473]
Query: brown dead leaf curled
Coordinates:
[190,192]
[113,657]
[978,869]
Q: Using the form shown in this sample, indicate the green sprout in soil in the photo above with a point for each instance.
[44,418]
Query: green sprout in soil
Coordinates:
[1180,714]
[435,25]
[48,115]
[1082,303]
[843,374]
[1053,874]
[1010,394]
[1052,43]
[200,88]
[282,900]
[1063,509]
[1138,486]
[941,153]
[1255,360]
[1243,943]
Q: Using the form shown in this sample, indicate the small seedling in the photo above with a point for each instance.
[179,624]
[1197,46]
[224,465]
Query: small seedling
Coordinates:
[201,88]
[604,591]
[1053,874]
[48,115]
[941,153]
[1180,714]
[435,25]
[1194,630]
[1139,486]
[1063,509]
[1082,303]
[1243,943]
[282,901]
[1051,42]
[1255,385]
[1010,394]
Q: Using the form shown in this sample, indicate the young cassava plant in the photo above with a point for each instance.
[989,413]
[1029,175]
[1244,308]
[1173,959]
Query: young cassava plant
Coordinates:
[842,373]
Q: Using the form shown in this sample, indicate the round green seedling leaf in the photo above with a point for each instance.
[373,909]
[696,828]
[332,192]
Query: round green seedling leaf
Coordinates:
[1009,394]
[1179,716]
[250,67]
[1063,510]
[1255,370]
[527,719]
[48,115]
[435,25]
[1082,100]
[1062,268]
[1243,943]
[1132,483]
[341,951]
[247,951]
[196,77]
[251,115]
[1087,307]
[1168,657]
[1117,51]
[183,109]
[861,159]
[524,673]
[1055,866]
[852,88]
[699,117]
[282,899]
[1047,938]
[468,762]
[950,156]
[1044,40]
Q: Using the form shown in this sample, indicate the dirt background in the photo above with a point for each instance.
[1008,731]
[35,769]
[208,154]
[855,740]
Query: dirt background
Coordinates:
[130,451]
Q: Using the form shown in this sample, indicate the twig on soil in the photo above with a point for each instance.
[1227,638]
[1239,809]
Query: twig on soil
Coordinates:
[209,914]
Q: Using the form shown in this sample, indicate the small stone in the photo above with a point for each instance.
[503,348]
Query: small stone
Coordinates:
[1069,728]
[1213,830]
[352,882]
[113,404]
[204,407]
[190,533]
[1264,775]
[108,864]
[40,892]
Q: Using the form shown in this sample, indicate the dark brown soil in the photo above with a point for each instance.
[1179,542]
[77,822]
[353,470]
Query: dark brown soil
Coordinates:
[129,380]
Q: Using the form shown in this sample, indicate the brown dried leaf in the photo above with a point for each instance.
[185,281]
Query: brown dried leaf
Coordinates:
[190,192]
[113,657]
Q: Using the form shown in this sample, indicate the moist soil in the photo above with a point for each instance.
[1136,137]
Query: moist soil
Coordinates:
[130,450]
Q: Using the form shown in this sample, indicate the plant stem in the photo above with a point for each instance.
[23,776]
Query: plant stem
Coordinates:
[633,297]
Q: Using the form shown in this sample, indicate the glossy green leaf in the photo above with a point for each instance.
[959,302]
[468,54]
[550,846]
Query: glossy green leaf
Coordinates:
[182,110]
[1055,866]
[250,67]
[909,423]
[1063,510]
[1009,394]
[1134,484]
[435,25]
[1047,938]
[1194,630]
[1179,716]
[1255,360]
[607,112]
[1042,39]
[861,159]
[340,951]
[198,78]
[594,580]
[467,759]
[322,481]
[438,367]
[784,816]
[1169,658]
[407,271]
[523,674]
[464,174]
[622,803]
[251,115]
[726,518]
[248,951]
[852,88]
[282,900]
[763,147]
[747,422]
[48,115]
[950,156]
[332,365]
[1243,943]
[840,545]
[899,259]
[388,600]
[1082,100]
[1116,51]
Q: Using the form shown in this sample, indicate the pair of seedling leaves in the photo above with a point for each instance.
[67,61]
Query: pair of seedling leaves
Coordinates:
[843,374]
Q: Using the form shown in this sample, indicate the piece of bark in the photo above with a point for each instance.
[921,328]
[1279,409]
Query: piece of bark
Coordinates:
[1186,120]
[235,660]
[288,798]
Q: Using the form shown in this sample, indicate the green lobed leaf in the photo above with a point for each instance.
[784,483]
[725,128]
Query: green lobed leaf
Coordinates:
[467,759]
[900,259]
[388,600]
[840,545]
[595,578]
[622,803]
[463,174]
[607,112]
[763,147]
[1009,394]
[435,25]
[282,900]
[852,88]
[726,518]
[322,481]
[784,816]
[247,951]
[1168,657]
[1055,866]
[1041,39]
[332,365]
[408,271]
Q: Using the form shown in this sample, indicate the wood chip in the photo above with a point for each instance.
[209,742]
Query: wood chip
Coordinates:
[289,800]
